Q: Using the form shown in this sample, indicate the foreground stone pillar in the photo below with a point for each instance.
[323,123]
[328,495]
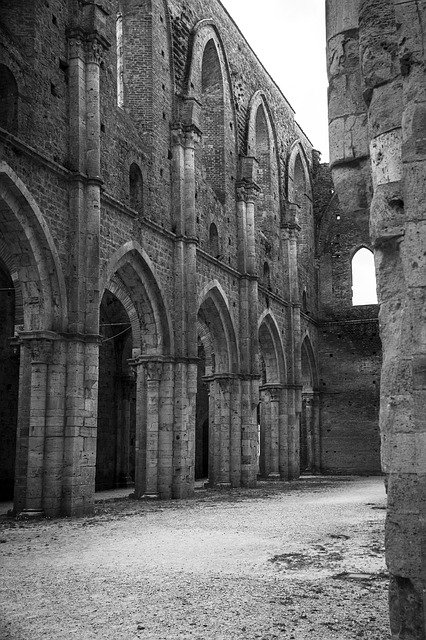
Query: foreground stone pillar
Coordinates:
[36,356]
[388,71]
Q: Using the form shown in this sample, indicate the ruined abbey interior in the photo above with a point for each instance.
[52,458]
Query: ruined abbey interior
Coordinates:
[180,299]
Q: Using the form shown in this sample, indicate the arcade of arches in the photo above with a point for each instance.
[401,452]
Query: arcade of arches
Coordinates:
[176,294]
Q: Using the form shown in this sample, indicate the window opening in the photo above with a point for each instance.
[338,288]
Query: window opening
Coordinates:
[363,278]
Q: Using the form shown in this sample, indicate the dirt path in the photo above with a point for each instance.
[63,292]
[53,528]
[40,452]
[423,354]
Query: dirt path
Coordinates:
[291,561]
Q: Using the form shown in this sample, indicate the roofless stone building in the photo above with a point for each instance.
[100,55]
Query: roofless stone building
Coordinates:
[175,270]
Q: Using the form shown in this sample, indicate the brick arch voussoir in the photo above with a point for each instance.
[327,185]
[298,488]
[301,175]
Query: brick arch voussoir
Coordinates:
[271,349]
[214,312]
[32,250]
[297,151]
[135,271]
[8,260]
[308,352]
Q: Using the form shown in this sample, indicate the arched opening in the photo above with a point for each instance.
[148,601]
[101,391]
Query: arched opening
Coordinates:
[136,187]
[212,120]
[270,408]
[216,393]
[202,417]
[265,203]
[9,385]
[135,311]
[303,211]
[115,456]
[363,278]
[32,300]
[8,100]
[266,280]
[214,241]
[308,435]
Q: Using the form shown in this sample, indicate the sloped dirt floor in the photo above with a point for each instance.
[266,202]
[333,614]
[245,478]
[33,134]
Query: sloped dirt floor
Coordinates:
[298,561]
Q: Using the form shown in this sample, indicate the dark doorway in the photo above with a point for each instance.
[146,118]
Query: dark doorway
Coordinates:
[115,454]
[202,420]
[9,386]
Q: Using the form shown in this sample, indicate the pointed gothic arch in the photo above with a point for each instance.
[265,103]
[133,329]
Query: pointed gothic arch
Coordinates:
[32,256]
[133,268]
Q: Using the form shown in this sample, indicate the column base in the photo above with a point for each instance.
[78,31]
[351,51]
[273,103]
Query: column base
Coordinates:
[27,514]
[274,476]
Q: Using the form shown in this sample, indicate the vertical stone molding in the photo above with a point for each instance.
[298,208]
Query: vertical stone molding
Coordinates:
[40,427]
[270,430]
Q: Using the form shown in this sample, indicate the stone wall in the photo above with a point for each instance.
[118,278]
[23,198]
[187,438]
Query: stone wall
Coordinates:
[376,49]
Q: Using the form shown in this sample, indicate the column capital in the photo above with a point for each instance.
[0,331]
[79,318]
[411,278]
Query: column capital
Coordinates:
[40,345]
[247,191]
[185,135]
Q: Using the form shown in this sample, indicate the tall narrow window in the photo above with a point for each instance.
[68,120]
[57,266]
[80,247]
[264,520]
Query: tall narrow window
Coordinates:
[136,187]
[266,275]
[363,278]
[213,139]
[8,100]
[120,65]
[214,241]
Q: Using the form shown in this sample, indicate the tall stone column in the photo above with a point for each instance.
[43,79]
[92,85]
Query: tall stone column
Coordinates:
[283,436]
[247,191]
[270,431]
[275,394]
[316,425]
[153,372]
[308,400]
[86,46]
[165,436]
[235,435]
[123,477]
[396,97]
[185,136]
[32,436]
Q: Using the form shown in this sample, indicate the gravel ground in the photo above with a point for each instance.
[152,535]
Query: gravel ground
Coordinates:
[300,561]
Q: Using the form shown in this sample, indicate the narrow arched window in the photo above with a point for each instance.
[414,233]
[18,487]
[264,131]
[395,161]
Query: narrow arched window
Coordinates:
[214,241]
[136,187]
[212,125]
[8,100]
[266,275]
[363,278]
[120,64]
[304,301]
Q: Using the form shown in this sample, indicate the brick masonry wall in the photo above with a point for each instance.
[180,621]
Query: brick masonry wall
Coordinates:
[349,351]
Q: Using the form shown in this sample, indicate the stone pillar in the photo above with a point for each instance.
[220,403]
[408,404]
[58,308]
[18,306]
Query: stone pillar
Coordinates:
[165,436]
[221,422]
[235,436]
[283,436]
[316,426]
[390,67]
[265,433]
[293,418]
[270,431]
[153,372]
[80,424]
[123,477]
[148,426]
[185,136]
[247,191]
[32,436]
[308,400]
[86,46]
